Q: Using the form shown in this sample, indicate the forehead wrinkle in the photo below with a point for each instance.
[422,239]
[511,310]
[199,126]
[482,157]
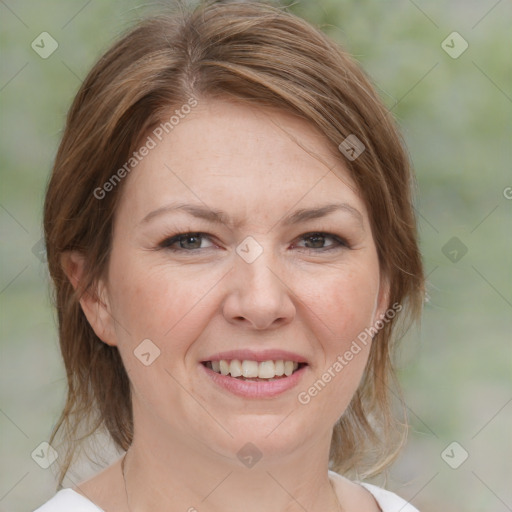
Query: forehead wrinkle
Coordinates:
[215,216]
[331,151]
[295,139]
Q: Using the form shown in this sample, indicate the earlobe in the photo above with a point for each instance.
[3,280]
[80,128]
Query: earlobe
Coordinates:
[94,302]
[382,305]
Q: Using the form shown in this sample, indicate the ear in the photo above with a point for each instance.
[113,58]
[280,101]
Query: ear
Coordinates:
[382,300]
[94,303]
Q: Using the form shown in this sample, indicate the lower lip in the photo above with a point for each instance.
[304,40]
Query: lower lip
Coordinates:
[255,389]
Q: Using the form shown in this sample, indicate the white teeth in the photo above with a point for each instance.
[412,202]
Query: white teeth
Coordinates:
[235,368]
[250,369]
[279,368]
[288,368]
[268,370]
[224,367]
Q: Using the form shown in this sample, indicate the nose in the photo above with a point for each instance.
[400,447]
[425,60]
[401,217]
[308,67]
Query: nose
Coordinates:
[260,297]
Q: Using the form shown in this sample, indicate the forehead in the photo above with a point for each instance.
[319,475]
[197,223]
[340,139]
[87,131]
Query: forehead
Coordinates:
[230,155]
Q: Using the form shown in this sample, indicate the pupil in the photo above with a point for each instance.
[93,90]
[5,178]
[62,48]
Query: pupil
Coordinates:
[192,237]
[318,239]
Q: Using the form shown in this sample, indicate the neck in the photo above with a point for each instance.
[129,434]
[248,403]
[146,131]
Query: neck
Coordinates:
[165,473]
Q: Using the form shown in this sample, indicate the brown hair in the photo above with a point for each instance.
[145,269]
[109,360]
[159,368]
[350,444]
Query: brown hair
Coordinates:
[254,52]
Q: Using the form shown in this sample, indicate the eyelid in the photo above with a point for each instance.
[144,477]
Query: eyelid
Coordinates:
[341,241]
[170,240]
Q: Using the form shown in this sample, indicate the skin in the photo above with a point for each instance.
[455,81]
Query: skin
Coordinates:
[255,164]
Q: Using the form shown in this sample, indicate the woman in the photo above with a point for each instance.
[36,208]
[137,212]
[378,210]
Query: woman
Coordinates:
[230,230]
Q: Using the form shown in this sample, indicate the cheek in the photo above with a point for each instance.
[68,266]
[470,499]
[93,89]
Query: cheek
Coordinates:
[345,307]
[344,304]
[154,301]
[165,306]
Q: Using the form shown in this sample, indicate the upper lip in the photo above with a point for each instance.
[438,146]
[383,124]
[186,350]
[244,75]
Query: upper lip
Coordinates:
[257,355]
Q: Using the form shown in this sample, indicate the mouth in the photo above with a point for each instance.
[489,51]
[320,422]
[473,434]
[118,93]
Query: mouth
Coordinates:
[255,375]
[255,371]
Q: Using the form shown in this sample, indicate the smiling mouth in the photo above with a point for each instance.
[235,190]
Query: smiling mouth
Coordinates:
[253,370]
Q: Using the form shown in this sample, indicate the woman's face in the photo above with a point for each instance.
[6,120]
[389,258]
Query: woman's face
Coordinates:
[284,268]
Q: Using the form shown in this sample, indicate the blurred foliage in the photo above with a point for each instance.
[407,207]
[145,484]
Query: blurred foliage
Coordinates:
[455,115]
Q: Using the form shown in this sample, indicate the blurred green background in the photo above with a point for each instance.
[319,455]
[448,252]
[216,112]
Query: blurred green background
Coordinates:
[455,115]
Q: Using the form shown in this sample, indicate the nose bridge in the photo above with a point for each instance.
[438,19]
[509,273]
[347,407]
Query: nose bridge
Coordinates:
[258,269]
[262,275]
[260,294]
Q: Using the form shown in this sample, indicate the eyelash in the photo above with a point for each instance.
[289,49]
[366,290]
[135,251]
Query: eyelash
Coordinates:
[171,240]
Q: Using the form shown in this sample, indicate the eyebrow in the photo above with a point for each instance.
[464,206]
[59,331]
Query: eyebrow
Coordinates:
[219,217]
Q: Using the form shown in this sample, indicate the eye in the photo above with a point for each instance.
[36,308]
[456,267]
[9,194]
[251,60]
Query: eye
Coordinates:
[193,241]
[317,241]
[184,242]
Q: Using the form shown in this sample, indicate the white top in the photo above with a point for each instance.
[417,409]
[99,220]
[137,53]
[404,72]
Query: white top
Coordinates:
[67,500]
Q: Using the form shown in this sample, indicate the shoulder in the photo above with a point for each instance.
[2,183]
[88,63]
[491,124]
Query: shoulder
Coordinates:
[387,501]
[67,498]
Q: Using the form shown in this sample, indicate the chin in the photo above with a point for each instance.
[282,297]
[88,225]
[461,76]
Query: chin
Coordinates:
[266,437]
